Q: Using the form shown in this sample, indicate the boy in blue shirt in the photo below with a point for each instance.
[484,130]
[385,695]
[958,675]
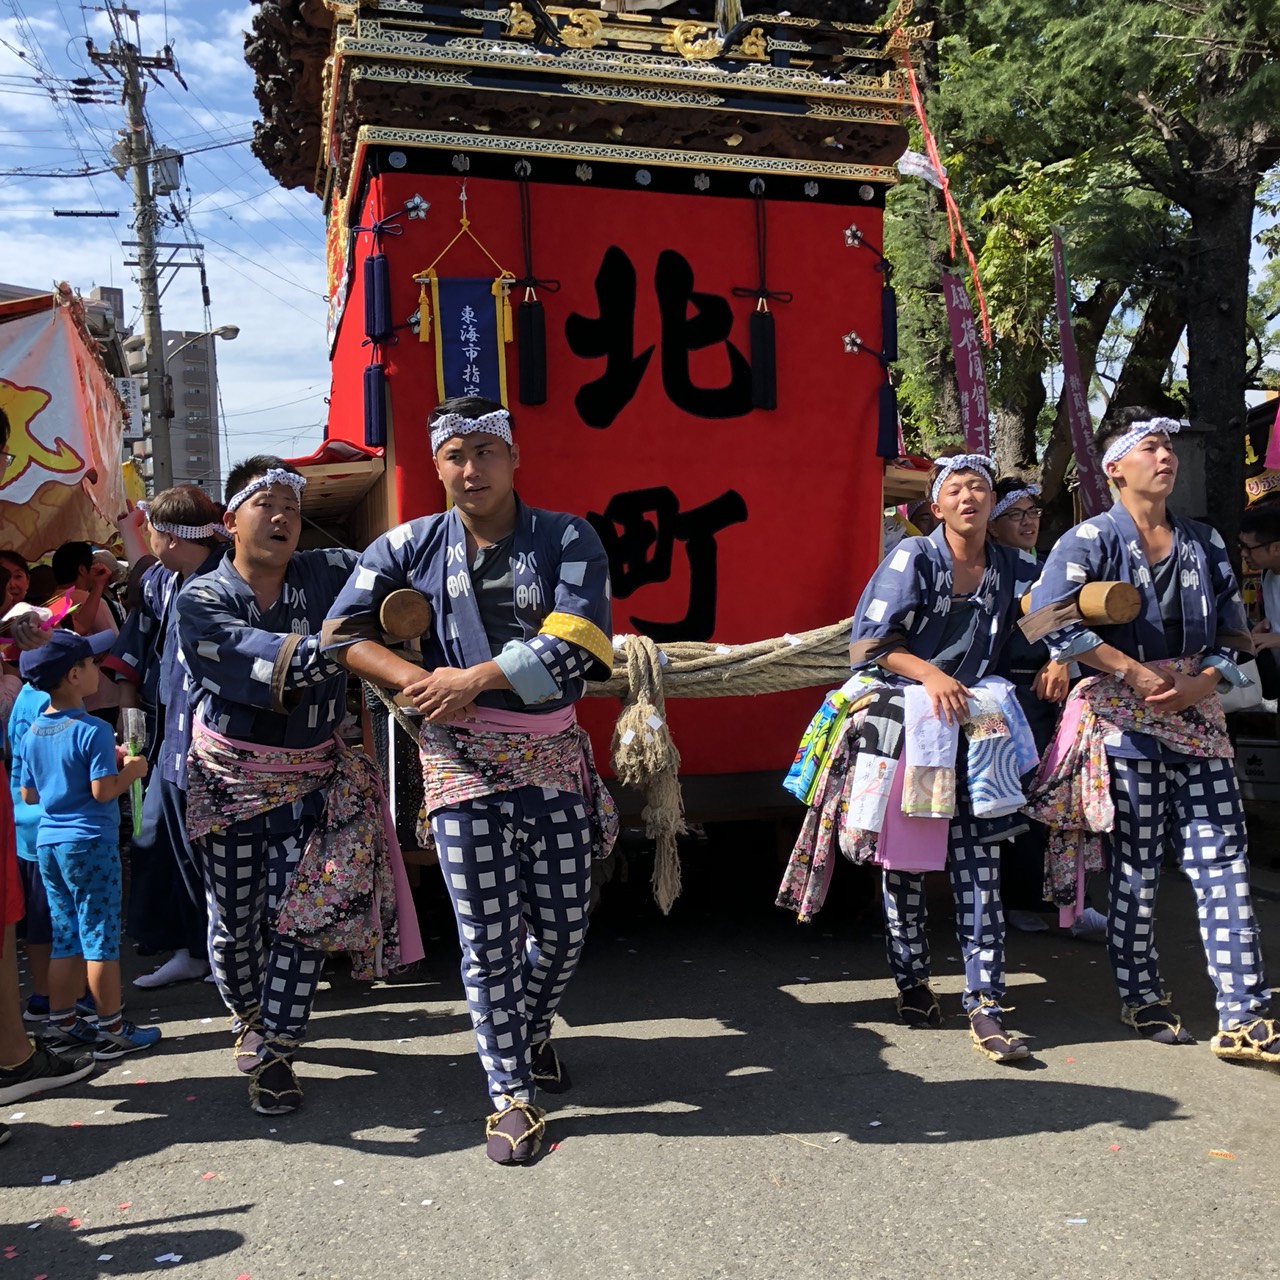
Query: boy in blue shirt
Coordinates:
[67,764]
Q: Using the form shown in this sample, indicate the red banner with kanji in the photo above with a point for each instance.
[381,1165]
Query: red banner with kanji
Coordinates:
[723,522]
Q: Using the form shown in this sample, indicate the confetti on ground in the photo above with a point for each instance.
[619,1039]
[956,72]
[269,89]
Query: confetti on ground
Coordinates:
[128,1204]
[205,1021]
[17,1115]
[874,1124]
[1115,1146]
[1076,1222]
[427,1202]
[1070,1059]
[31,1226]
[75,1222]
[49,1177]
[339,1182]
[555,1146]
[836,1138]
[439,1111]
[75,1124]
[244,1275]
[66,1182]
[99,1113]
[62,1208]
[1222,1155]
[169,1257]
[207,1176]
[105,1257]
[271,1131]
[1051,1002]
[44,1275]
[191,1097]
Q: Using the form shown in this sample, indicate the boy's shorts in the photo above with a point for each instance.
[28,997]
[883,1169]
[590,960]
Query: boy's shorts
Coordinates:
[82,881]
[35,927]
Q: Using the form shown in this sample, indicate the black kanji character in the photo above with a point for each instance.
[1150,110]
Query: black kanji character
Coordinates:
[711,323]
[639,530]
[610,335]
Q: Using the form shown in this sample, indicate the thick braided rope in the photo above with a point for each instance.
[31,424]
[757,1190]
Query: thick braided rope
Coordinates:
[644,756]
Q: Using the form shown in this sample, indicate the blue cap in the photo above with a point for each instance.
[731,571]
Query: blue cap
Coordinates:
[46,666]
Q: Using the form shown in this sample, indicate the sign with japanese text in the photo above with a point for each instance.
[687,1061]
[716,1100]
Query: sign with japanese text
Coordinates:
[971,378]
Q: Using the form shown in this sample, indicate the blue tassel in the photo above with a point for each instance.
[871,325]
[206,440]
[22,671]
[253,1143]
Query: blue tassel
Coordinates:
[375,407]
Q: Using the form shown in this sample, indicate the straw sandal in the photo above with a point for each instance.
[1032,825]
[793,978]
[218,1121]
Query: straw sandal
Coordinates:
[918,1006]
[249,1033]
[990,1038]
[273,1087]
[1255,1041]
[514,1134]
[1149,1022]
[549,1073]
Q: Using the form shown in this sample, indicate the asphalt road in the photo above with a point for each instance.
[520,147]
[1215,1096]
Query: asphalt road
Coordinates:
[745,1105]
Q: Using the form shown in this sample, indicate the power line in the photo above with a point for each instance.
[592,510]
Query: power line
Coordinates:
[110,168]
[284,279]
[245,413]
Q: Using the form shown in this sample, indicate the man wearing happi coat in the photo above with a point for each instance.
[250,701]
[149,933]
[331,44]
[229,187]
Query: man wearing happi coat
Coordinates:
[1142,750]
[520,619]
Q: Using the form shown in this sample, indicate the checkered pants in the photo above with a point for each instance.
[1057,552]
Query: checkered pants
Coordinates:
[518,870]
[974,869]
[246,873]
[1204,799]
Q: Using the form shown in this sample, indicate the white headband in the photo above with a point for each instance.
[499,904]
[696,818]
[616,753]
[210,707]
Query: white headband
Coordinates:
[188,532]
[963,462]
[1140,431]
[1031,491]
[274,475]
[496,423]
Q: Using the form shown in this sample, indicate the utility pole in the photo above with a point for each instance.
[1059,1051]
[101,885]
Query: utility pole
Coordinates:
[137,155]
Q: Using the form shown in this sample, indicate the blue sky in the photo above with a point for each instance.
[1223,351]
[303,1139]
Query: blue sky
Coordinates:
[264,246]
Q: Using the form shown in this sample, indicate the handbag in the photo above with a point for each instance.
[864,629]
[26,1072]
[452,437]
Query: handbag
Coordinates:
[1247,698]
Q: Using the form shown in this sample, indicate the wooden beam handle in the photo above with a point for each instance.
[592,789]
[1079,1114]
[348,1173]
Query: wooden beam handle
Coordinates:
[1103,604]
[405,614]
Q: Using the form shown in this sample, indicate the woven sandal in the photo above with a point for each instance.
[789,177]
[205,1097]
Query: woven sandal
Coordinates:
[991,1039]
[1255,1041]
[918,1006]
[248,1031]
[549,1073]
[1152,1024]
[514,1134]
[273,1087]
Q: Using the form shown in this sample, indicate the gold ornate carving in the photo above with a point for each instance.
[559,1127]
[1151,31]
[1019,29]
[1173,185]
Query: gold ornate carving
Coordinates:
[520,21]
[583,30]
[684,40]
[754,44]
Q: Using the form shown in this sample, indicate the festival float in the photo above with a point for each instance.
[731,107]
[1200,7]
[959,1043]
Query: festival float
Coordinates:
[653,231]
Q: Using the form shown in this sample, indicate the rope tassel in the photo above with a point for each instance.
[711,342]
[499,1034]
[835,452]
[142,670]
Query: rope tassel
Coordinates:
[646,759]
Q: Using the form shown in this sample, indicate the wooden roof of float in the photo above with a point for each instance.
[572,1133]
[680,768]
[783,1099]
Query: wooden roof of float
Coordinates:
[811,92]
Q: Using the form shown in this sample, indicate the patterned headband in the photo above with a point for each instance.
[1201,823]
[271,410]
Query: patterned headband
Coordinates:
[1140,431]
[963,462]
[497,423]
[1031,491]
[274,475]
[188,532]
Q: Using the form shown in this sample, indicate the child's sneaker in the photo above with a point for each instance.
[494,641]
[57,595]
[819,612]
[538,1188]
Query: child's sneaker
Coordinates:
[127,1038]
[36,1010]
[73,1037]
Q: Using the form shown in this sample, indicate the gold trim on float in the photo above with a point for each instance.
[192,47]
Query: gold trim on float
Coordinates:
[557,149]
[637,94]
[744,79]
